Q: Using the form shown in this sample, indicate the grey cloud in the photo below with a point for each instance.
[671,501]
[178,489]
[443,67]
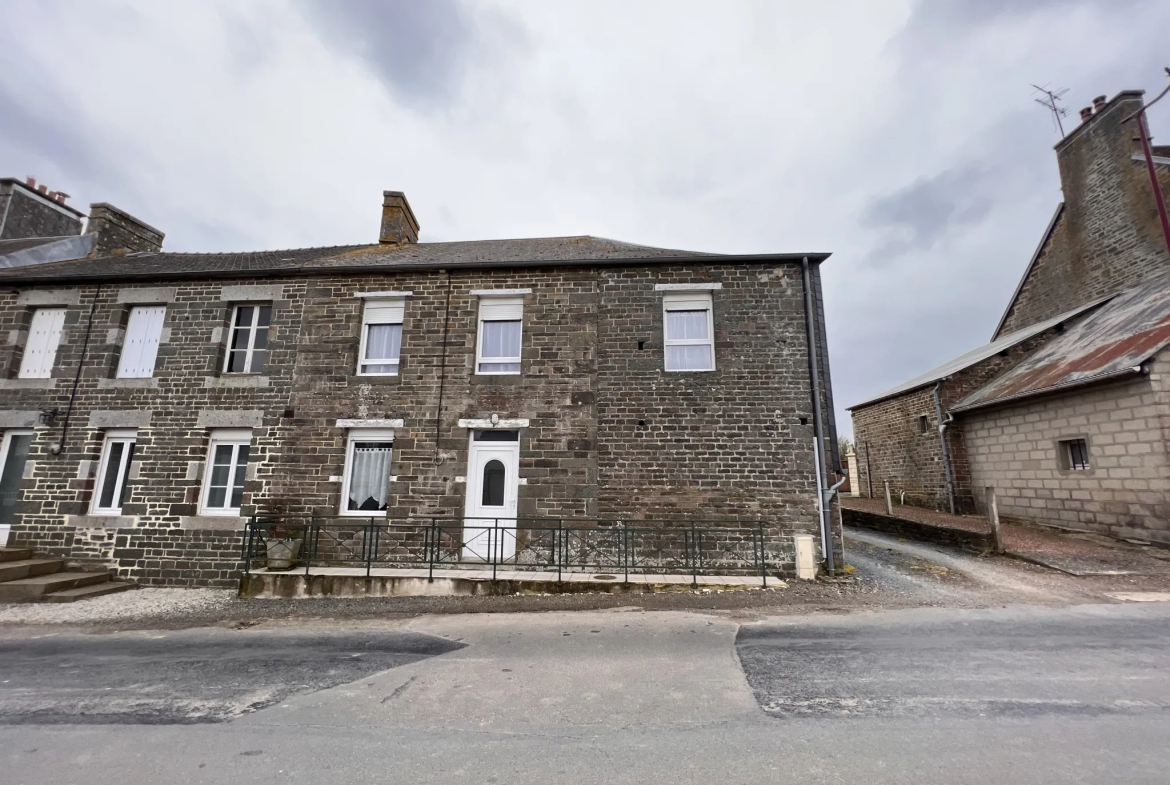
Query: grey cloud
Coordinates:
[420,50]
[916,217]
[51,133]
[953,16]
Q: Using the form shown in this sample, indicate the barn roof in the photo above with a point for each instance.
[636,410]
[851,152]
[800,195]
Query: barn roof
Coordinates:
[1112,342]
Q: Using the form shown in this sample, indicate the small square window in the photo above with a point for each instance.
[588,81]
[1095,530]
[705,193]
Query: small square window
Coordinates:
[381,342]
[248,341]
[923,424]
[226,471]
[1074,454]
[113,471]
[688,332]
[367,472]
[498,345]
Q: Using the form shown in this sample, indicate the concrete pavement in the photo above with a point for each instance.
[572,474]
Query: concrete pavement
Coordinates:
[633,696]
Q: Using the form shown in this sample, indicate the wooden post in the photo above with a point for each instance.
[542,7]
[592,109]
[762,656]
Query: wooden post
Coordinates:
[889,501]
[993,516]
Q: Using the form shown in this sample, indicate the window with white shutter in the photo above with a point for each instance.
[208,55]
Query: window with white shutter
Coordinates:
[44,336]
[688,332]
[501,322]
[381,342]
[140,349]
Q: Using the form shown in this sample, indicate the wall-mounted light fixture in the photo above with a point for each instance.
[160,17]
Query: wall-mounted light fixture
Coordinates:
[48,416]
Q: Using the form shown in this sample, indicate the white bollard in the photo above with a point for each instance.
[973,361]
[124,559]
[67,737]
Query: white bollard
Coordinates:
[806,564]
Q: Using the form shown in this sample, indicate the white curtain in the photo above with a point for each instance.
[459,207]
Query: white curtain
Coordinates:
[383,342]
[686,325]
[500,340]
[369,479]
[688,358]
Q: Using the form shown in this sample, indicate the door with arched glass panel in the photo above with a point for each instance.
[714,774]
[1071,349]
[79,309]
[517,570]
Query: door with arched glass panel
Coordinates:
[489,526]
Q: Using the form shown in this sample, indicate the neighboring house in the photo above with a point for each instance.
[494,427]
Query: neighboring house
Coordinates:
[38,227]
[1065,411]
[152,401]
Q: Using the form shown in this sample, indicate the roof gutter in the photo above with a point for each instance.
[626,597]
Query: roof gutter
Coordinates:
[62,276]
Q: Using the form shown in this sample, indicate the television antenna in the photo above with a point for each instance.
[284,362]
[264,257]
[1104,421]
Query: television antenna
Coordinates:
[1051,102]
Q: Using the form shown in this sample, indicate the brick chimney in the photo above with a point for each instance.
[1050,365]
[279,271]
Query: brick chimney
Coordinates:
[1111,236]
[399,226]
[117,232]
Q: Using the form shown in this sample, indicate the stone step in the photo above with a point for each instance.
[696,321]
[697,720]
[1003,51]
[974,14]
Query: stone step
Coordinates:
[85,592]
[32,589]
[28,568]
[15,554]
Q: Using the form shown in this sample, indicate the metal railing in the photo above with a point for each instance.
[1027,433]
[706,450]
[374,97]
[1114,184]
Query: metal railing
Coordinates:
[617,547]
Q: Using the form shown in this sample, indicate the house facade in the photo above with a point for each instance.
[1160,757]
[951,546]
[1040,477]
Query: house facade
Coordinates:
[1064,412]
[153,401]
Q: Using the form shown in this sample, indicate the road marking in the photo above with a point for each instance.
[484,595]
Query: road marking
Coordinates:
[1140,596]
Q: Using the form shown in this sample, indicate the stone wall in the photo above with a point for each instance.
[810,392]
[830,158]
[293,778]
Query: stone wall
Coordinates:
[1123,494]
[912,461]
[118,232]
[609,433]
[1108,237]
[23,215]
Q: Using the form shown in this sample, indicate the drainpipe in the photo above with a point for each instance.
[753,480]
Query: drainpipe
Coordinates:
[59,446]
[818,421]
[942,440]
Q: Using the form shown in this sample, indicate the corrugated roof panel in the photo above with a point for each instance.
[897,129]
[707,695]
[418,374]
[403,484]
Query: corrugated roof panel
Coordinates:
[978,355]
[1114,340]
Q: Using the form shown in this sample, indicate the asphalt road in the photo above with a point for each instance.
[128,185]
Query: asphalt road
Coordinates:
[1006,695]
[187,676]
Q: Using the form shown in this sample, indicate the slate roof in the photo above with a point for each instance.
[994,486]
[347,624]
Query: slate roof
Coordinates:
[978,355]
[1110,343]
[541,251]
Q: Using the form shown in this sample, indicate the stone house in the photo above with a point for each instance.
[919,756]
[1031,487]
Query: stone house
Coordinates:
[152,401]
[1065,411]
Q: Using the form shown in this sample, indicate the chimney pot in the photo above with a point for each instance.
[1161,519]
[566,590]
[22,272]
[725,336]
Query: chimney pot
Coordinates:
[31,182]
[62,196]
[1086,113]
[44,189]
[1099,102]
[399,226]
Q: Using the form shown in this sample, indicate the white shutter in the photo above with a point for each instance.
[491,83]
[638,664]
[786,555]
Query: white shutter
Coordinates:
[44,336]
[384,311]
[501,308]
[139,350]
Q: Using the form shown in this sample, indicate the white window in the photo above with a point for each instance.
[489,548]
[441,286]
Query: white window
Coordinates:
[248,341]
[117,453]
[140,349]
[366,489]
[227,466]
[688,332]
[44,336]
[381,341]
[498,342]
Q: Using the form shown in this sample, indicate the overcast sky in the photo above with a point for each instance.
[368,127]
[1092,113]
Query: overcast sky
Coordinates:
[901,136]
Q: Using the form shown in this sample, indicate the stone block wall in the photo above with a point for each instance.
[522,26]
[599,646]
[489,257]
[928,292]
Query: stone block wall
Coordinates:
[1123,494]
[609,433]
[912,461]
[24,214]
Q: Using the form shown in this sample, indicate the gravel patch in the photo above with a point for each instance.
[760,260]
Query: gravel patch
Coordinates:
[124,606]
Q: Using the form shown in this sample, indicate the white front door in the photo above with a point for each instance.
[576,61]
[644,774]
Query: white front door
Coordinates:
[489,525]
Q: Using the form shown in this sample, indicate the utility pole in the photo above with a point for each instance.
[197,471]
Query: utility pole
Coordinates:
[1144,134]
[1050,102]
